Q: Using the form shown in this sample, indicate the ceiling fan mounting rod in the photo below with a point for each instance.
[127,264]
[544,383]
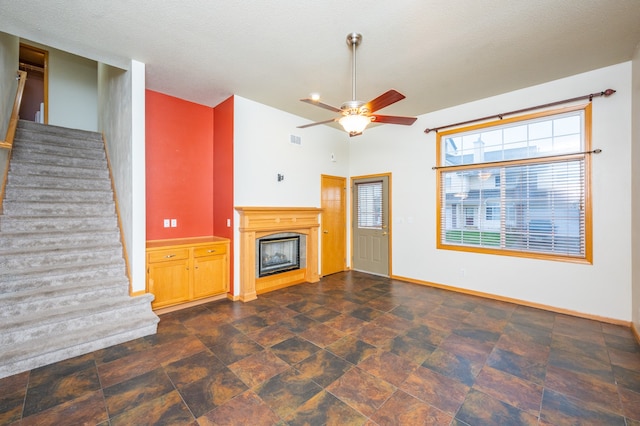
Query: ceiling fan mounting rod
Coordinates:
[353,40]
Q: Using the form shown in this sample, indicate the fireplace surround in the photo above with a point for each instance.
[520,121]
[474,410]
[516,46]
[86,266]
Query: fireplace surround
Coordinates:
[262,222]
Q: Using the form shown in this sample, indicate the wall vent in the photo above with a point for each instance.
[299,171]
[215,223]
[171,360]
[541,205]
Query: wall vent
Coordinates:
[297,140]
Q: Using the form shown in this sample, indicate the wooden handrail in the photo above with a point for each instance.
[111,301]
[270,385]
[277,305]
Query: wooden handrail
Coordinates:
[15,113]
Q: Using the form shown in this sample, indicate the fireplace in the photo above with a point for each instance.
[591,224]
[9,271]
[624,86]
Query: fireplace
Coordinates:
[258,223]
[278,254]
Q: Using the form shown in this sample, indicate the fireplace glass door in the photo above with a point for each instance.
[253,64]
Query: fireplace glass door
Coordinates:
[278,255]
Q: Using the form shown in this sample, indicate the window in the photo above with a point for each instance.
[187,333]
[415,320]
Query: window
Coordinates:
[370,205]
[517,186]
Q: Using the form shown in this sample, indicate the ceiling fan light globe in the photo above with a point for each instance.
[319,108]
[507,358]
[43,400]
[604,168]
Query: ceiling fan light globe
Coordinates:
[354,124]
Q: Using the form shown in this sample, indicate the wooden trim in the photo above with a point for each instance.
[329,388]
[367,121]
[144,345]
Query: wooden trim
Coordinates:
[120,227]
[188,241]
[11,129]
[174,308]
[587,259]
[634,330]
[15,113]
[510,120]
[517,302]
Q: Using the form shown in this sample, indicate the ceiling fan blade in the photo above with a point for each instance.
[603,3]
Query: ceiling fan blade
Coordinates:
[394,119]
[321,105]
[387,98]
[319,122]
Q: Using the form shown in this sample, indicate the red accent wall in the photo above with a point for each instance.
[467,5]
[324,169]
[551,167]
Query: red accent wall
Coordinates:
[223,207]
[179,167]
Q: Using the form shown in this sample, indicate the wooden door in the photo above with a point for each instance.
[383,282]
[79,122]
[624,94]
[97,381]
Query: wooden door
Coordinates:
[370,230]
[334,223]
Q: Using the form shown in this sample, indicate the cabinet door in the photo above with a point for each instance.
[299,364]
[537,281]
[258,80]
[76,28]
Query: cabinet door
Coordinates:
[209,276]
[169,282]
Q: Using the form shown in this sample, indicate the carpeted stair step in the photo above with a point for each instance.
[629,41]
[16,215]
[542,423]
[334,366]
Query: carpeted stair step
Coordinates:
[39,300]
[28,139]
[60,195]
[44,223]
[10,242]
[25,356]
[46,208]
[28,168]
[56,182]
[13,281]
[67,319]
[59,258]
[58,160]
[48,147]
[48,130]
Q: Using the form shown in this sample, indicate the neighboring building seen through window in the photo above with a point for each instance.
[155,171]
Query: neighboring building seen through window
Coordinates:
[517,186]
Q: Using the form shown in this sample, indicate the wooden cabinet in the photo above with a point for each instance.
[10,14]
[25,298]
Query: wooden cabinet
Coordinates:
[185,270]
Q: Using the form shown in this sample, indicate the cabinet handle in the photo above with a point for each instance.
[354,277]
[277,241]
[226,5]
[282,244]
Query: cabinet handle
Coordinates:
[211,251]
[169,256]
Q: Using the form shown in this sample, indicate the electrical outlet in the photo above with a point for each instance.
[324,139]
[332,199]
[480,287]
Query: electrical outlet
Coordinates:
[166,223]
[228,223]
[174,223]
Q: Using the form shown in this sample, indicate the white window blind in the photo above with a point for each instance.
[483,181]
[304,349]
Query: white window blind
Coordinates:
[516,187]
[370,213]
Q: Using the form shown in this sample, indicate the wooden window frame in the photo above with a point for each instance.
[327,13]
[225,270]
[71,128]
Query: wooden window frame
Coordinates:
[585,155]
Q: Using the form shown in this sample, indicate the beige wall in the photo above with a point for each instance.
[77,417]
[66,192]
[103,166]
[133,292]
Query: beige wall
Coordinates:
[635,189]
[9,53]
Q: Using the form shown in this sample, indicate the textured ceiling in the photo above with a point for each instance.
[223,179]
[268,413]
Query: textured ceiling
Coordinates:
[437,53]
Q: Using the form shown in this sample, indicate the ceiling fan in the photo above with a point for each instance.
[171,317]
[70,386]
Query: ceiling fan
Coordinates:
[356,115]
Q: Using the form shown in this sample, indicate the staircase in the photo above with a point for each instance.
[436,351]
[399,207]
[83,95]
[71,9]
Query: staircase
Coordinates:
[63,284]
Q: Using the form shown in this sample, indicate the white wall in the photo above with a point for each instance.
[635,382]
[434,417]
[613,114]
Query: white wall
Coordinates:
[635,189]
[602,289]
[262,150]
[121,112]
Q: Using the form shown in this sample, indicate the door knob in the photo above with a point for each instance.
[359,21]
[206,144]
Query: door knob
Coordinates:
[325,232]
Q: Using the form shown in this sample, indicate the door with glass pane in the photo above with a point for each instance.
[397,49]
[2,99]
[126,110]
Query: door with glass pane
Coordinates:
[371,224]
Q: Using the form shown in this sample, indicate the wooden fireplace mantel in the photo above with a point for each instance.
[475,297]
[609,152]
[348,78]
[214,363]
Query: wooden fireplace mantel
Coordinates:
[258,222]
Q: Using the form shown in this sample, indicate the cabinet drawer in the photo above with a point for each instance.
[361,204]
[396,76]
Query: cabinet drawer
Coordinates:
[211,250]
[169,254]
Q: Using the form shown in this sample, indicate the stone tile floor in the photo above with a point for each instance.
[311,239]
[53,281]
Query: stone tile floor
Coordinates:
[353,349]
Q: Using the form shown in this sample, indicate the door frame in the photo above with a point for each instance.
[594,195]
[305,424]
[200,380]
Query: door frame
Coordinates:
[45,67]
[389,225]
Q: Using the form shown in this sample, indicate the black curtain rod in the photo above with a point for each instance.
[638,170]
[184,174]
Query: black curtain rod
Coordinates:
[607,92]
[544,157]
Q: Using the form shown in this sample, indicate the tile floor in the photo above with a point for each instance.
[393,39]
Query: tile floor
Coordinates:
[353,349]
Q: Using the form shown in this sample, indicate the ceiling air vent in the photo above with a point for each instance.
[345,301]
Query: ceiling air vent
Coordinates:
[296,140]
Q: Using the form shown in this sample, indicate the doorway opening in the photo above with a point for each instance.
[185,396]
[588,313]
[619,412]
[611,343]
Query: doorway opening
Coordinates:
[34,62]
